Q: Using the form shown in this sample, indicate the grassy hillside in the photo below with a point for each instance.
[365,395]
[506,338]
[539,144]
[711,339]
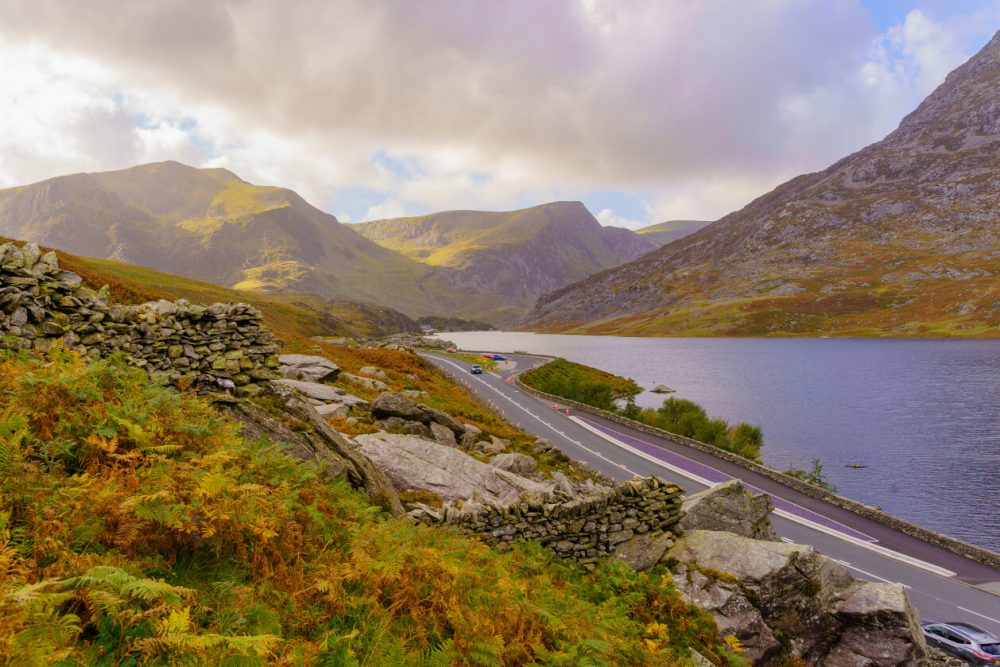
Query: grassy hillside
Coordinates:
[517,254]
[666,232]
[287,314]
[138,527]
[210,225]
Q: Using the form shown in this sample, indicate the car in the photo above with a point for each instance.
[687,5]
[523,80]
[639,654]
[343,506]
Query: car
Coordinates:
[451,350]
[973,645]
[499,357]
[476,369]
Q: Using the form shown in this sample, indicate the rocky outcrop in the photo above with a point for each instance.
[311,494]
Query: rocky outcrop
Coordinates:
[787,601]
[414,462]
[309,438]
[730,507]
[219,345]
[391,404]
[307,367]
[521,464]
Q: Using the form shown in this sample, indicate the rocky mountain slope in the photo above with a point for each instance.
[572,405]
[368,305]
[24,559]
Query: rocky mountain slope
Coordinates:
[517,254]
[900,238]
[210,224]
[666,232]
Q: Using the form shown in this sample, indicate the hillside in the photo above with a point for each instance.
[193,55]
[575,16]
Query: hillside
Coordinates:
[288,313]
[211,225]
[516,254]
[666,232]
[900,238]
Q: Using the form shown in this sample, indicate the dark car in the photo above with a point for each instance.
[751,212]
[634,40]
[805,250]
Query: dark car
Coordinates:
[476,369]
[973,645]
[499,357]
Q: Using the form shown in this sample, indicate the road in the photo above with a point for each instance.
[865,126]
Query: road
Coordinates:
[943,585]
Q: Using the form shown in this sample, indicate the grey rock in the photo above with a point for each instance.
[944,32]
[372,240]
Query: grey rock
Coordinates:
[368,383]
[307,367]
[333,410]
[374,372]
[391,404]
[522,464]
[443,434]
[826,616]
[320,392]
[730,507]
[413,462]
[643,551]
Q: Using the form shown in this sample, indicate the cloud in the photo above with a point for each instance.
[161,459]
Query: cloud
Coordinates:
[690,106]
[609,218]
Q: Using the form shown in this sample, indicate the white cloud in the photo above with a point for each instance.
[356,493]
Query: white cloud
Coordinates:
[609,218]
[390,208]
[696,107]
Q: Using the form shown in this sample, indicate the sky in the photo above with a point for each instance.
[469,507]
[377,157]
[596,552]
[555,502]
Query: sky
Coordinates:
[645,110]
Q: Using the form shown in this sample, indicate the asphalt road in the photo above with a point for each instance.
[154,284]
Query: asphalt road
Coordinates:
[943,585]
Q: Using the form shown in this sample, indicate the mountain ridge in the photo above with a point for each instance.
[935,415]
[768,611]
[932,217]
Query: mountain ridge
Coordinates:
[900,237]
[519,254]
[212,225]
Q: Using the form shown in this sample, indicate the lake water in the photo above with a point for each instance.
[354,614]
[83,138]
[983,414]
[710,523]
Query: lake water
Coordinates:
[923,415]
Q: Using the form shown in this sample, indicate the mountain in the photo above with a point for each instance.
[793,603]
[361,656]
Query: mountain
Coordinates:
[665,232]
[516,254]
[900,238]
[211,225]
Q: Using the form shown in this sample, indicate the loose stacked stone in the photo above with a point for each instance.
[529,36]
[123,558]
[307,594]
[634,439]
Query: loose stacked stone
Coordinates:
[584,530]
[41,305]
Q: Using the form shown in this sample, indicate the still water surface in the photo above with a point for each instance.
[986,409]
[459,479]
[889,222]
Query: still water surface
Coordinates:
[923,415]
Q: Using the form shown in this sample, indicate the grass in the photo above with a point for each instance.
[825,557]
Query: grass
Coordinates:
[581,383]
[872,295]
[138,527]
[606,391]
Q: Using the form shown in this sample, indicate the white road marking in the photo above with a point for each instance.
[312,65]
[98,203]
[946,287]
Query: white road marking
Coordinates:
[532,414]
[868,574]
[978,614]
[889,553]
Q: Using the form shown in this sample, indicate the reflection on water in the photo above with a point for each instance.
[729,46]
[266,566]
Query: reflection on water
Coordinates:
[923,415]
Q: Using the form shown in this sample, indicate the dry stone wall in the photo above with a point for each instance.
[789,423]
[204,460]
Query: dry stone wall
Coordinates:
[41,305]
[582,530]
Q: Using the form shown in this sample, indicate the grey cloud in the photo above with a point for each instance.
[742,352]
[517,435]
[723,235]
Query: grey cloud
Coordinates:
[633,94]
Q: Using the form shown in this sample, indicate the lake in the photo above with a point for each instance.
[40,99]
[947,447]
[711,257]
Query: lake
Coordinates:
[922,415]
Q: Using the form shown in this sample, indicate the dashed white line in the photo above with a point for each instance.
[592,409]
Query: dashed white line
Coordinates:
[867,574]
[978,614]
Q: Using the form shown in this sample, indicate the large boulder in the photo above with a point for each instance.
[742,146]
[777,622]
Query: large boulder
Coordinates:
[413,462]
[787,601]
[644,550]
[521,464]
[314,390]
[731,508]
[392,404]
[307,367]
